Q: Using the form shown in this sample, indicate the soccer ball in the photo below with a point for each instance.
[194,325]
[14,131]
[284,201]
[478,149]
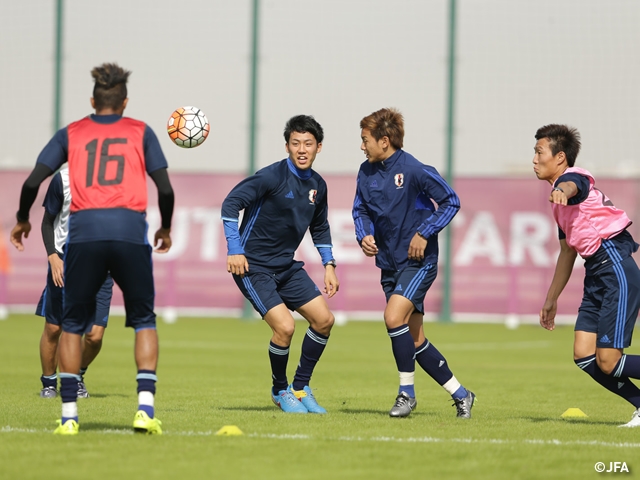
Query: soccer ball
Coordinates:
[188,127]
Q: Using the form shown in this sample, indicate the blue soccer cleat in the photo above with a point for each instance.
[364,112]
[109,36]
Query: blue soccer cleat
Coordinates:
[287,401]
[307,399]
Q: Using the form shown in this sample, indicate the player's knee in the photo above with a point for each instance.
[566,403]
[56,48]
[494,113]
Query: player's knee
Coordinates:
[93,341]
[94,336]
[285,332]
[52,332]
[324,324]
[607,365]
[393,320]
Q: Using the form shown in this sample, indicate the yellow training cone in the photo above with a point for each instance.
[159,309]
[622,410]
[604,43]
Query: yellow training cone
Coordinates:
[233,430]
[574,413]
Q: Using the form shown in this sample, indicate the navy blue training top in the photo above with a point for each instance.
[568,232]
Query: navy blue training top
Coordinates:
[54,198]
[109,223]
[394,200]
[280,203]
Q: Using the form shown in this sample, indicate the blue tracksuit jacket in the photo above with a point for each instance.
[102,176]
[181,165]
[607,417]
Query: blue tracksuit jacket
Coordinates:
[394,200]
[280,203]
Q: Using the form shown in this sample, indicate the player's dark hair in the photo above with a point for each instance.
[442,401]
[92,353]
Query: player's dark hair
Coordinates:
[387,122]
[562,138]
[303,124]
[110,89]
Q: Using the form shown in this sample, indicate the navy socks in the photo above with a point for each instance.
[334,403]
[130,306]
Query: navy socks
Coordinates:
[404,352]
[621,386]
[279,357]
[312,347]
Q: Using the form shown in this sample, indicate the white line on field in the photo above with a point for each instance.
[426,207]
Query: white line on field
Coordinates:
[286,436]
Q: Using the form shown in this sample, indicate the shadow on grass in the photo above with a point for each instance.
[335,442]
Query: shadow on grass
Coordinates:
[101,426]
[106,395]
[382,413]
[95,395]
[576,421]
[266,408]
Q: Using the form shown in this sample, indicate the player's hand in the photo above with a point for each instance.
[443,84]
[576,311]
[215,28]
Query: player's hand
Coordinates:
[369,247]
[558,197]
[548,314]
[57,270]
[416,247]
[237,264]
[331,283]
[21,228]
[162,240]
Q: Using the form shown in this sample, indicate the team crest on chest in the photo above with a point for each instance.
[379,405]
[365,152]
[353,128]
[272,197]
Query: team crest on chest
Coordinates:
[312,196]
[399,179]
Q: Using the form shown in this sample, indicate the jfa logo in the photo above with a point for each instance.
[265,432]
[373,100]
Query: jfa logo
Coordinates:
[399,179]
[312,196]
[613,467]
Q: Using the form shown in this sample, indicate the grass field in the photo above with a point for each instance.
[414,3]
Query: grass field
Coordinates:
[215,373]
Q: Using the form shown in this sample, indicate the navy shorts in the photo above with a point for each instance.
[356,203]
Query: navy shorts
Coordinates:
[412,283]
[610,304]
[86,266]
[266,290]
[51,301]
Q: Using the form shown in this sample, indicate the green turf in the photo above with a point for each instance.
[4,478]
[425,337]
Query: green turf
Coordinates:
[215,373]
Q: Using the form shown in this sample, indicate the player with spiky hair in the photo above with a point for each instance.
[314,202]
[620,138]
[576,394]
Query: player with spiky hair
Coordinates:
[55,227]
[397,223]
[109,157]
[281,202]
[591,226]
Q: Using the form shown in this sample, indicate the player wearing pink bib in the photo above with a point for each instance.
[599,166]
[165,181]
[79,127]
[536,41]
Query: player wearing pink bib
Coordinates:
[592,220]
[590,225]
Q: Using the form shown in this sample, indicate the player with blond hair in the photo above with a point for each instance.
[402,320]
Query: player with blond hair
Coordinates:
[397,222]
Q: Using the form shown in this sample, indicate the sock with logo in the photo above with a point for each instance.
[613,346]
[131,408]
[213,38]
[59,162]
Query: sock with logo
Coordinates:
[621,386]
[279,357]
[628,366]
[312,348]
[433,362]
[404,352]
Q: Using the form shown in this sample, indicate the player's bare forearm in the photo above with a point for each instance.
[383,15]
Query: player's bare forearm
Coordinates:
[331,283]
[57,270]
[21,228]
[162,240]
[368,246]
[564,267]
[237,265]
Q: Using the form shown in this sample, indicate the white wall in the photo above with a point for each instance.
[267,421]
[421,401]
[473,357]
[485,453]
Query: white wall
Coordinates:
[520,64]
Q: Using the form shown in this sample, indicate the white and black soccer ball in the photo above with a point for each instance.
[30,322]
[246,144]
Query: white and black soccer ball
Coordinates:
[188,127]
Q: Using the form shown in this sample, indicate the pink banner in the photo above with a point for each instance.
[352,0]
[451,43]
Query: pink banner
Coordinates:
[505,245]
